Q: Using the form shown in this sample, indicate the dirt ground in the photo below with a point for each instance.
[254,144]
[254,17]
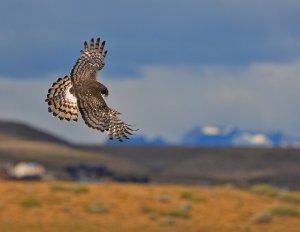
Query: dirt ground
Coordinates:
[64,206]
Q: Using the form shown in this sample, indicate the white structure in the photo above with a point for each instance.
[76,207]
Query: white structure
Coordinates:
[24,170]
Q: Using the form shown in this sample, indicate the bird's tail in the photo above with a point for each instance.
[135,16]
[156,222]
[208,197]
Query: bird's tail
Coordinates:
[62,102]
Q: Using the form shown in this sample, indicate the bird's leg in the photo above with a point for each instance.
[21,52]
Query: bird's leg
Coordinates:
[103,89]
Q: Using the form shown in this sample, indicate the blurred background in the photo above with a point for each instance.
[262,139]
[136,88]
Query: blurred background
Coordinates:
[213,87]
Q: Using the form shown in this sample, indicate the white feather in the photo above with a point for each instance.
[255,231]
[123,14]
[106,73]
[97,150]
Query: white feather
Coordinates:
[70,97]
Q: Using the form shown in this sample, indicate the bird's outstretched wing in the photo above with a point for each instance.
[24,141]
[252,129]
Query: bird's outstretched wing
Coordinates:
[62,103]
[97,115]
[90,61]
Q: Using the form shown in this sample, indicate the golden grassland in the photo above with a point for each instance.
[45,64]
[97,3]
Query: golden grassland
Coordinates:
[65,206]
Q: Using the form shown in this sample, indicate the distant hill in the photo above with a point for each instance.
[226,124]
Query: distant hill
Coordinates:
[21,131]
[194,165]
[20,142]
[181,164]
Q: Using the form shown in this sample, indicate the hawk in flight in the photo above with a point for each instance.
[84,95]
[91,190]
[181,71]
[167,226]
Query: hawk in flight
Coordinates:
[81,92]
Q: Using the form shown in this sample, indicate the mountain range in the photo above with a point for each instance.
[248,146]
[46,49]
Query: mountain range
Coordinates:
[220,136]
[205,136]
[229,136]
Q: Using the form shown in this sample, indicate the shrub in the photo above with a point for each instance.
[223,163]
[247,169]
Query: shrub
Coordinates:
[164,198]
[179,213]
[186,206]
[30,202]
[262,217]
[266,190]
[168,220]
[186,195]
[146,209]
[153,216]
[191,197]
[70,188]
[285,211]
[290,198]
[97,208]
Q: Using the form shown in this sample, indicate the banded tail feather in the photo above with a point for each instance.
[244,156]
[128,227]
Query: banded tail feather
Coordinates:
[61,102]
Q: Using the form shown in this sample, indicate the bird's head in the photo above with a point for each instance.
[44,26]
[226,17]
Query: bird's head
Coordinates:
[105,92]
[103,89]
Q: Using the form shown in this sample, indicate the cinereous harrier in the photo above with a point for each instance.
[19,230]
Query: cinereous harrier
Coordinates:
[81,92]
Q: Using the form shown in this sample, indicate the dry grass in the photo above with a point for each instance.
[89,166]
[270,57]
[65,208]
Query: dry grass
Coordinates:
[129,207]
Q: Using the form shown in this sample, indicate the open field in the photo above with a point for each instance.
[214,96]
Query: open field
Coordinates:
[65,206]
[69,206]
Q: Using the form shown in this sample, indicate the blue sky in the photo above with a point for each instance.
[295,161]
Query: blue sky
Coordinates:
[171,65]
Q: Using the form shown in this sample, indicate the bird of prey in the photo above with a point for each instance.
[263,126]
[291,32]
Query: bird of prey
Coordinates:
[81,92]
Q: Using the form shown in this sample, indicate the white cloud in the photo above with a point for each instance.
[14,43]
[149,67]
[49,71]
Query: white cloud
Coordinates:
[170,100]
[167,101]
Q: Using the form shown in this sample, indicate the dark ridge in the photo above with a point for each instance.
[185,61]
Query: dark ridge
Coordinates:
[21,131]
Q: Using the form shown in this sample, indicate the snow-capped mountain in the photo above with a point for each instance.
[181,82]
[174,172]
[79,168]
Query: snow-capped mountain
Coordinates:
[229,136]
[219,136]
